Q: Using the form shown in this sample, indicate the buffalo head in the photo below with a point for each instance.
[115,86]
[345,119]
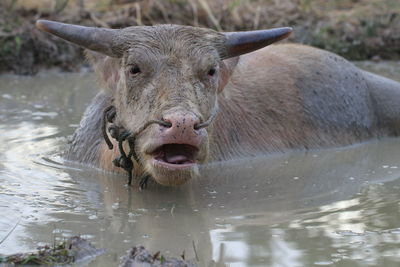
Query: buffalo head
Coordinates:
[168,73]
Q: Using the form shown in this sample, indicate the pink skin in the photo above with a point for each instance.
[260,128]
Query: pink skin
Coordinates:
[182,132]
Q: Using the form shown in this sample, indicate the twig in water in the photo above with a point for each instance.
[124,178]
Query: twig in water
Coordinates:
[195,252]
[9,233]
[221,255]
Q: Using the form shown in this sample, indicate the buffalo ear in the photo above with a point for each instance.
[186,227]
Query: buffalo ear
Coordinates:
[239,43]
[106,69]
[226,69]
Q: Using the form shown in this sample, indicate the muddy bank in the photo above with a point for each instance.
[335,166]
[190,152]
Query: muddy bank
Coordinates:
[73,250]
[78,250]
[355,29]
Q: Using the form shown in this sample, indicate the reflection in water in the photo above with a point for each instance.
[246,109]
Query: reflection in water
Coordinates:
[335,206]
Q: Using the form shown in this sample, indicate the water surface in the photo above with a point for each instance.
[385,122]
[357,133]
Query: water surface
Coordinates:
[335,207]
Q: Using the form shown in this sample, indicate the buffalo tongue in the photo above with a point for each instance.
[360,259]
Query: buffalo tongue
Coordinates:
[177,154]
[178,159]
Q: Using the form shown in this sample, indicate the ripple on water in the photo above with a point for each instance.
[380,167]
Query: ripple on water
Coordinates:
[328,207]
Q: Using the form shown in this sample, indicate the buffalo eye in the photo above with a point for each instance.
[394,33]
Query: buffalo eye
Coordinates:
[212,71]
[134,70]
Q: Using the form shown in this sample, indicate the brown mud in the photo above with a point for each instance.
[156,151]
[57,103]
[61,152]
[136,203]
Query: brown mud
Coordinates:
[78,250]
[355,29]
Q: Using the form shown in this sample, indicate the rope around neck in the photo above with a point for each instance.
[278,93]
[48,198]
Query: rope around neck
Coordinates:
[118,133]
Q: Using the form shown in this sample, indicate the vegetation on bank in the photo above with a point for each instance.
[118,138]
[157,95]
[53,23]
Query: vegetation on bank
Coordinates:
[75,249]
[355,29]
[78,250]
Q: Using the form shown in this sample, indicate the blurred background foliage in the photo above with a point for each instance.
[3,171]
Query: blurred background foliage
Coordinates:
[355,29]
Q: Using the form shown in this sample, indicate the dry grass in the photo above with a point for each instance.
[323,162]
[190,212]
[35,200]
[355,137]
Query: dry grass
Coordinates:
[356,29]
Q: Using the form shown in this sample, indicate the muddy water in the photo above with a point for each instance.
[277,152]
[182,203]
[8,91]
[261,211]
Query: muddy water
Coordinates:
[335,207]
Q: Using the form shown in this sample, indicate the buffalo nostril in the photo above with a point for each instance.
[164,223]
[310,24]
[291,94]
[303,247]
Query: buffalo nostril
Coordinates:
[165,123]
[181,121]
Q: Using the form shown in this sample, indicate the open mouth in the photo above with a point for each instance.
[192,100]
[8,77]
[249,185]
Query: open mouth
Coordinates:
[176,155]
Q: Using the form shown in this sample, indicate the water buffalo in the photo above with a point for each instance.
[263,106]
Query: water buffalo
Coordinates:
[178,96]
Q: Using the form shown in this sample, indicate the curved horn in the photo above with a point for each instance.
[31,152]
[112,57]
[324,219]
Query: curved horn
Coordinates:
[96,39]
[238,43]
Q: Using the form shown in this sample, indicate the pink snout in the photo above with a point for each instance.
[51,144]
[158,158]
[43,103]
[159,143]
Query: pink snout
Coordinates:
[182,125]
[177,144]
